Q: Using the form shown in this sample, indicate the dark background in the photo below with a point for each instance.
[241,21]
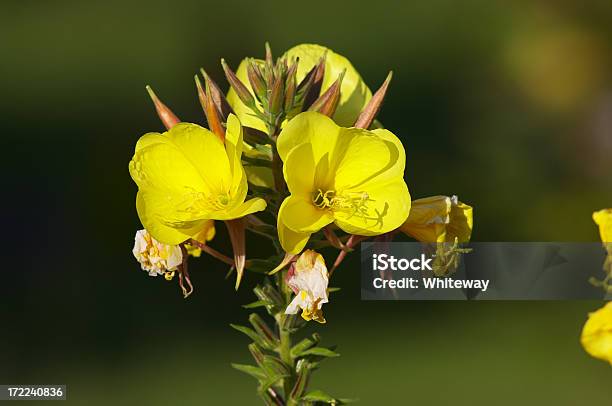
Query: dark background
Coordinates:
[507,104]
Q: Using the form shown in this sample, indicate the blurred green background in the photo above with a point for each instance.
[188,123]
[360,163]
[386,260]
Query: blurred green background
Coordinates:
[506,104]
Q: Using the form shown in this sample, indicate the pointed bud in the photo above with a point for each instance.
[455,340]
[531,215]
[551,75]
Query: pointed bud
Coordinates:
[328,101]
[269,60]
[277,96]
[236,229]
[241,90]
[291,85]
[314,87]
[369,113]
[201,93]
[167,117]
[256,80]
[213,116]
[217,96]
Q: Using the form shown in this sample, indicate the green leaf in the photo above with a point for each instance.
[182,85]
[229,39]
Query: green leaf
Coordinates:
[254,305]
[321,352]
[303,345]
[275,367]
[319,396]
[252,370]
[252,334]
[330,290]
[263,331]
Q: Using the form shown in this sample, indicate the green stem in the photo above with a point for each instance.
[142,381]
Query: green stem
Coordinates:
[285,355]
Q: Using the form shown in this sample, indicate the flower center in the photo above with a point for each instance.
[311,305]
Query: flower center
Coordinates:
[349,203]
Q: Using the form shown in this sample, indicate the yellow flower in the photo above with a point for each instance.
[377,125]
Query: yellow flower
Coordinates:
[308,279]
[188,176]
[439,219]
[597,333]
[354,93]
[603,218]
[349,176]
[156,258]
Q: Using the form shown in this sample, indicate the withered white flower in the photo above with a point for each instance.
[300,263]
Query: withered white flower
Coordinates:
[155,257]
[308,279]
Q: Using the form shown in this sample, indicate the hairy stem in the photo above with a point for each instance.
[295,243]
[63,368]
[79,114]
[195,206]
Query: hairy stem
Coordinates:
[285,355]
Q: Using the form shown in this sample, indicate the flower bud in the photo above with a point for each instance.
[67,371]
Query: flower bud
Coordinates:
[369,113]
[167,117]
[439,219]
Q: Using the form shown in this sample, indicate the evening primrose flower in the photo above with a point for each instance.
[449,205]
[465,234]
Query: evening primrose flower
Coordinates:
[597,334]
[155,257]
[308,279]
[439,219]
[354,93]
[349,176]
[186,177]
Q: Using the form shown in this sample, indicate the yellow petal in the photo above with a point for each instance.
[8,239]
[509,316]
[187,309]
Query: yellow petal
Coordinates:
[299,170]
[596,335]
[206,152]
[250,206]
[300,215]
[603,218]
[354,94]
[233,147]
[382,208]
[461,222]
[312,127]
[207,233]
[160,231]
[292,242]
[174,161]
[362,158]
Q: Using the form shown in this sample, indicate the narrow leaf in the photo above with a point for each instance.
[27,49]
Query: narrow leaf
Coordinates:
[321,352]
[252,370]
